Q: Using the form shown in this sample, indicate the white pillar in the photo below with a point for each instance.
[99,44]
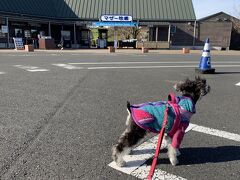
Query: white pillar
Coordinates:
[194,33]
[49,29]
[7,33]
[169,33]
[156,34]
[115,37]
[74,33]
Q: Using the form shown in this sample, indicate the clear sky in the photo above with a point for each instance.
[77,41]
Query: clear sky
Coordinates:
[205,8]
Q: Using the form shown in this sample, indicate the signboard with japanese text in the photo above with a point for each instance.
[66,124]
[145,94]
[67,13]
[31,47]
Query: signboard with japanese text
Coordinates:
[115,18]
[4,29]
[115,24]
[18,42]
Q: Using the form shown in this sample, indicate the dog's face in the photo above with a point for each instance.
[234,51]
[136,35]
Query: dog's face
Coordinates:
[193,88]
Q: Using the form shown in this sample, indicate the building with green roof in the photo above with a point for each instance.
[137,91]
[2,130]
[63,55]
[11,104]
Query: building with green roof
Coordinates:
[165,21]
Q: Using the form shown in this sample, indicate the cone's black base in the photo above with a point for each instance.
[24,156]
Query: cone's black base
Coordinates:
[207,71]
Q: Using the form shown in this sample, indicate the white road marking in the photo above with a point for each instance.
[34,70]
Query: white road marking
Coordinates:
[238,84]
[214,132]
[159,174]
[151,62]
[153,67]
[2,73]
[31,68]
[67,66]
[137,67]
[135,162]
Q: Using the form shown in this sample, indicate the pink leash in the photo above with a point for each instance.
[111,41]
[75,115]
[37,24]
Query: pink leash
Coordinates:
[172,101]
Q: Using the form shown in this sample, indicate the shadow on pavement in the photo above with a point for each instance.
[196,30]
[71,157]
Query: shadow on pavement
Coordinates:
[199,155]
[204,155]
[227,72]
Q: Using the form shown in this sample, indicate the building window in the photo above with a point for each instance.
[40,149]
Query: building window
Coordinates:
[2,35]
[173,29]
[18,32]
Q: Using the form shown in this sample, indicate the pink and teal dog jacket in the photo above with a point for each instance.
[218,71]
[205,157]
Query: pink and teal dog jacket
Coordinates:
[149,116]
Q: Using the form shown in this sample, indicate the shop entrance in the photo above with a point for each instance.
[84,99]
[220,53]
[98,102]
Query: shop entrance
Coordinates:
[102,38]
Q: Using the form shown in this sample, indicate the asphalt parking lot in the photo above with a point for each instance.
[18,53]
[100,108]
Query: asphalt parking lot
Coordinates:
[60,113]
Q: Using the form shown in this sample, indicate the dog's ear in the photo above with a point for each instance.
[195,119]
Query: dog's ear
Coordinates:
[200,79]
[197,78]
[178,86]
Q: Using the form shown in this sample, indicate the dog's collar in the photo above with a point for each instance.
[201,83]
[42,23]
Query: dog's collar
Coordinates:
[188,96]
[179,98]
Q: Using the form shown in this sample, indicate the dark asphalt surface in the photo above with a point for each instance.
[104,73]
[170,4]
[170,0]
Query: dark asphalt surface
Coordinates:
[61,124]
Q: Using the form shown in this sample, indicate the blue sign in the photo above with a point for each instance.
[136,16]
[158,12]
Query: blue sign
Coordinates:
[116,24]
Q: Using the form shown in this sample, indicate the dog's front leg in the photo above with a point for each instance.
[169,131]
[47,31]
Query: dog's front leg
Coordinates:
[172,155]
[167,139]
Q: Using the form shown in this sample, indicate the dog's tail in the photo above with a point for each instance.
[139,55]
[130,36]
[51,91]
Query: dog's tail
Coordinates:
[128,106]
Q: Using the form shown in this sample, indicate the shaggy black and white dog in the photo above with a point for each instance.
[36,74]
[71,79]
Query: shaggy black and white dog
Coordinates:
[148,117]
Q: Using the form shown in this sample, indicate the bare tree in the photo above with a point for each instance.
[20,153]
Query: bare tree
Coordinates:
[236,21]
[235,40]
[129,32]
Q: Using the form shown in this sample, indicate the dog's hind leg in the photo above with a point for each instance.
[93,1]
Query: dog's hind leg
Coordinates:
[127,140]
[128,121]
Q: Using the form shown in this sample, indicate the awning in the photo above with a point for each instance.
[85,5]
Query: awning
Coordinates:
[154,23]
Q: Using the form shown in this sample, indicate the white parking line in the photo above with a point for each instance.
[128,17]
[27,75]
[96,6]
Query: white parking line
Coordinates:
[214,132]
[238,84]
[112,63]
[134,162]
[67,66]
[137,67]
[152,62]
[154,67]
[31,68]
[159,174]
[2,73]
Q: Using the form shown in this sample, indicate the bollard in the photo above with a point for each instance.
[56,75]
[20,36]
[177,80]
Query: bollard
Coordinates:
[29,48]
[144,50]
[185,50]
[111,49]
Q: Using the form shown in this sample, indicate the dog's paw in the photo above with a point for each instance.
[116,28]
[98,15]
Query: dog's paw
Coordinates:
[121,163]
[174,161]
[172,155]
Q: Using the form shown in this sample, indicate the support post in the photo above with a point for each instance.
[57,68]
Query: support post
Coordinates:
[74,33]
[115,37]
[156,34]
[169,33]
[194,33]
[7,32]
[49,29]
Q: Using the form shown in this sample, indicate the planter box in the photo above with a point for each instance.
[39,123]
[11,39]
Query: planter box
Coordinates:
[185,50]
[153,45]
[111,49]
[46,43]
[29,48]
[144,50]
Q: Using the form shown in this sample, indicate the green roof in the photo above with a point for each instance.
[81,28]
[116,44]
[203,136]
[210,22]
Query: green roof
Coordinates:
[42,8]
[149,10]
